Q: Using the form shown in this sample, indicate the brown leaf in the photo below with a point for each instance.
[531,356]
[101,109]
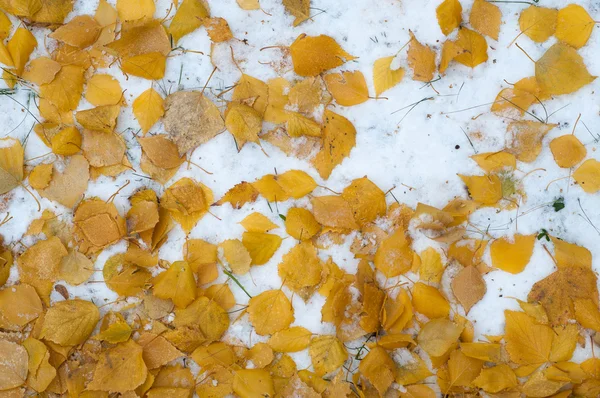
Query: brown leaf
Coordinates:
[468,287]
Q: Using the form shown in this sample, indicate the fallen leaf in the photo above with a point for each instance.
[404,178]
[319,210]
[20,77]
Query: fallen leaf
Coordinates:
[270,312]
[348,88]
[538,23]
[81,31]
[327,354]
[189,16]
[11,164]
[527,342]
[176,283]
[486,18]
[449,15]
[561,70]
[421,59]
[300,9]
[13,365]
[512,256]
[312,55]
[574,25]
[124,358]
[587,176]
[469,287]
[70,322]
[567,150]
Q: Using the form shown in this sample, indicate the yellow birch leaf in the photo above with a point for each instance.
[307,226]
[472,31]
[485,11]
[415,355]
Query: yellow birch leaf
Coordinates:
[516,100]
[130,10]
[587,176]
[75,268]
[19,305]
[486,190]
[13,365]
[218,29]
[527,342]
[438,335]
[20,46]
[261,246]
[564,343]
[149,66]
[252,92]
[249,4]
[567,150]
[300,9]
[298,125]
[80,32]
[221,294]
[250,383]
[339,137]
[327,354]
[301,269]
[413,371]
[587,314]
[384,77]
[347,88]
[486,18]
[538,23]
[539,386]
[67,141]
[488,352]
[270,312]
[469,287]
[237,256]
[574,25]
[525,138]
[65,90]
[70,322]
[244,123]
[512,256]
[312,55]
[41,70]
[428,301]
[561,70]
[41,372]
[207,315]
[495,161]
[394,255]
[293,339]
[473,48]
[301,224]
[122,359]
[449,15]
[418,391]
[240,194]
[11,164]
[189,16]
[103,90]
[256,222]
[176,283]
[5,26]
[333,211]
[421,59]
[496,379]
[378,368]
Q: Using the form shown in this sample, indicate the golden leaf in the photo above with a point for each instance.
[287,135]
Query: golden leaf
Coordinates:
[574,25]
[525,138]
[469,287]
[187,201]
[270,312]
[564,343]
[379,369]
[293,339]
[486,18]
[11,164]
[218,29]
[41,372]
[421,59]
[513,256]
[261,246]
[438,335]
[75,268]
[237,256]
[516,100]
[449,15]
[333,211]
[339,137]
[191,119]
[327,354]
[429,301]
[418,391]
[157,351]
[496,379]
[538,23]
[221,294]
[567,150]
[366,200]
[122,359]
[256,222]
[473,48]
[587,313]
[486,189]
[189,16]
[527,342]
[68,187]
[348,88]
[41,70]
[13,365]
[97,225]
[301,224]
[149,66]
[239,195]
[300,269]
[561,70]
[81,31]
[20,46]
[130,10]
[249,383]
[65,90]
[312,55]
[413,371]
[66,142]
[394,255]
[176,283]
[587,176]
[19,305]
[244,123]
[252,92]
[495,161]
[539,386]
[207,315]
[70,322]
[103,90]
[300,9]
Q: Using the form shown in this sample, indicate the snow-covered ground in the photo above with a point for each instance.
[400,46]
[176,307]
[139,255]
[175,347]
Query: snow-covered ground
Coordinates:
[418,150]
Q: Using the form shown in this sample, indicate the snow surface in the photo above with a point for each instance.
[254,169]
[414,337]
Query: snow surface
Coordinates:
[419,151]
